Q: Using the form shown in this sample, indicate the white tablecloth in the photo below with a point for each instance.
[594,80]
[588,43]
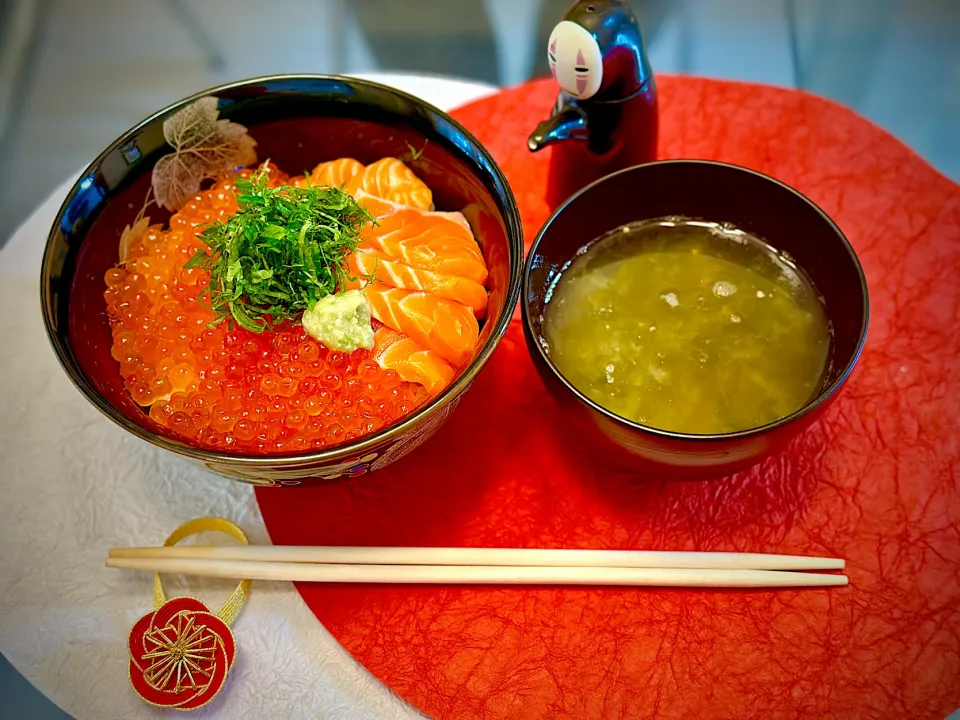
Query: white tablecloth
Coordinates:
[74,484]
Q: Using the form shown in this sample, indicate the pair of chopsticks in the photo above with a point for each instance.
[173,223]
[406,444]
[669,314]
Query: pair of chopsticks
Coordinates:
[494,566]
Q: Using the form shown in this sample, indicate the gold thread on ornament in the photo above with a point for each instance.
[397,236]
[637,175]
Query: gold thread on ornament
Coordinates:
[231,608]
[185,701]
[227,613]
[180,654]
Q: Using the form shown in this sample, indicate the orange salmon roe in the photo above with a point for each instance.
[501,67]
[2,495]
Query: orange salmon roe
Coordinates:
[275,392]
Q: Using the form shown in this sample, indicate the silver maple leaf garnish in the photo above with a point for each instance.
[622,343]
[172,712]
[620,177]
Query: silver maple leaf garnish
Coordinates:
[203,147]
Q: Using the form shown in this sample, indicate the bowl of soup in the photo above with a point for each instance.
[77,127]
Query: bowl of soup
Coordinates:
[693,316]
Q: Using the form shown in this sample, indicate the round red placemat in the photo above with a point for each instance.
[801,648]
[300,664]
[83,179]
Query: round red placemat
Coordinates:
[875,482]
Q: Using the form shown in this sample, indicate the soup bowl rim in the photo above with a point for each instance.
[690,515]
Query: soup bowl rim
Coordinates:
[513,227]
[542,357]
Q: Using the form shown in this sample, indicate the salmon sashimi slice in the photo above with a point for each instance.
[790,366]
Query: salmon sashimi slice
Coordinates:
[336,173]
[390,179]
[447,327]
[380,209]
[369,264]
[411,223]
[427,240]
[439,255]
[411,361]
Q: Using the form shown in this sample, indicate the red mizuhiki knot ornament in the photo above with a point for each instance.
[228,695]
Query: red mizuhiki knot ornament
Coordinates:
[181,653]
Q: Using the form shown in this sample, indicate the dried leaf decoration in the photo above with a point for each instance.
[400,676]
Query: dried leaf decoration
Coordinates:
[131,235]
[192,125]
[203,147]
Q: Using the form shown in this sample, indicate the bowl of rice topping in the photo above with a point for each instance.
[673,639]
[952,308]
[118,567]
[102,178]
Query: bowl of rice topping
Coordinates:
[288,278]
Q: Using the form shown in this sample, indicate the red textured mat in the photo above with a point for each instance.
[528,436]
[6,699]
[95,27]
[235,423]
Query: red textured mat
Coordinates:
[876,481]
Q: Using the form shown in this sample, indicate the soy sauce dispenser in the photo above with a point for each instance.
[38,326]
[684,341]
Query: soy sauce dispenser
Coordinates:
[605,117]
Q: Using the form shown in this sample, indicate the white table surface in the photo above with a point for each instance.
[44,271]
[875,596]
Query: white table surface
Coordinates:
[74,484]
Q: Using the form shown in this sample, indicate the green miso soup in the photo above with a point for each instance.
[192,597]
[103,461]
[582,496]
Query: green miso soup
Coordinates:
[688,326]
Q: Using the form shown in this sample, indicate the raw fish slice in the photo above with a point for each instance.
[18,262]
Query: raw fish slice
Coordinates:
[390,179]
[380,208]
[410,224]
[428,240]
[446,257]
[367,263]
[412,362]
[445,326]
[336,173]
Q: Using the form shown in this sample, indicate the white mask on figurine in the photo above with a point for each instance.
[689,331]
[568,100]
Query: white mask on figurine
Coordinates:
[575,60]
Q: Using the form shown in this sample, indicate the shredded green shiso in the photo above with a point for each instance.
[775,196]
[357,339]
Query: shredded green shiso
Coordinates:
[283,250]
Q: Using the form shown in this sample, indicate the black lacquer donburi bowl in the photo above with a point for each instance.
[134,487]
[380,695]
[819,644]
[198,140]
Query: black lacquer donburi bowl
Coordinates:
[297,121]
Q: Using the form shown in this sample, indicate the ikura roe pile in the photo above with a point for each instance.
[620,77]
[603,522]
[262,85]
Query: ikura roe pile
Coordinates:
[277,391]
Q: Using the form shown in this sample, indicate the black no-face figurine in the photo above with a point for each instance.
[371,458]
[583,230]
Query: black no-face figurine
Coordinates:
[605,117]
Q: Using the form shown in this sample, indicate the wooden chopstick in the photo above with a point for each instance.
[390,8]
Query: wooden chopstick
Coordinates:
[517,557]
[471,574]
